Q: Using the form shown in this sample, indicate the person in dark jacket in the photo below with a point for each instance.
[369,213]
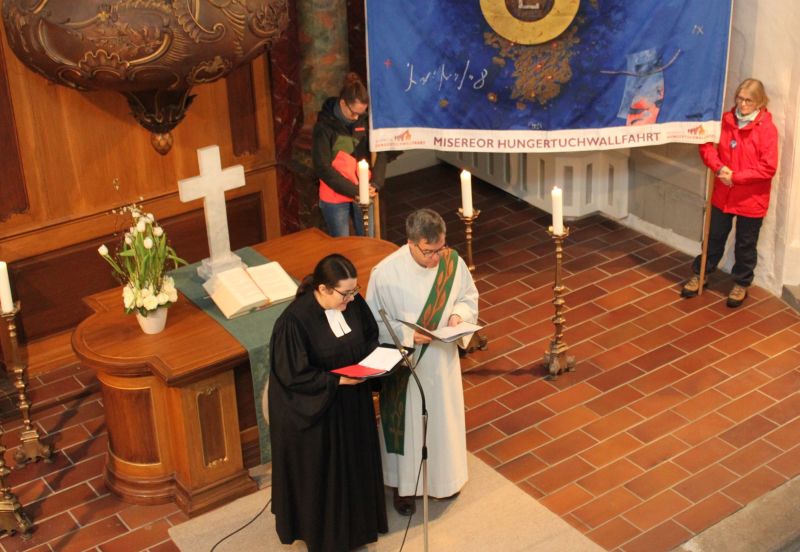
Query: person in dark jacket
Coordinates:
[744,162]
[340,140]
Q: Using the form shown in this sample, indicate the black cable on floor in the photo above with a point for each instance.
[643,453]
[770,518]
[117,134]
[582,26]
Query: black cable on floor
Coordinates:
[226,537]
[419,471]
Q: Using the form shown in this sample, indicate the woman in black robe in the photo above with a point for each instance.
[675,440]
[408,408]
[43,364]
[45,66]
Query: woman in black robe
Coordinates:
[327,483]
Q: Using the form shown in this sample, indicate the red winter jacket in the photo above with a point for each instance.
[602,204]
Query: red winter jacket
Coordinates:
[751,153]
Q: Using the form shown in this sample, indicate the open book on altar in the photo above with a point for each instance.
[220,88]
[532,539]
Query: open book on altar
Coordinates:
[241,290]
[378,363]
[448,334]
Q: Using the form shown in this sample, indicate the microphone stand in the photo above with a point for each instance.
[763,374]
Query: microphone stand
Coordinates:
[410,365]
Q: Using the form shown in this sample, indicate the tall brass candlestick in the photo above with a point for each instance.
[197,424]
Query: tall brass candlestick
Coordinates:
[12,518]
[468,227]
[556,358]
[31,448]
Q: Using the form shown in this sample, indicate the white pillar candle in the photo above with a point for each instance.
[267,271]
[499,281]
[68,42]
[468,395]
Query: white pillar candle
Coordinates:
[6,301]
[466,193]
[363,182]
[558,211]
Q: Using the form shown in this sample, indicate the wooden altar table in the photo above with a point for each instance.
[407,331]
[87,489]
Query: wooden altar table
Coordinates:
[179,405]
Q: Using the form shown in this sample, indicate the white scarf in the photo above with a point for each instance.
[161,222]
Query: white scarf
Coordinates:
[337,322]
[742,120]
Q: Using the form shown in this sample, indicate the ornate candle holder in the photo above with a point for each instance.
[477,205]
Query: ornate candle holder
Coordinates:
[468,227]
[12,518]
[364,214]
[556,358]
[31,448]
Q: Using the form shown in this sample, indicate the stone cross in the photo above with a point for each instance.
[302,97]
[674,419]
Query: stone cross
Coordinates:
[211,186]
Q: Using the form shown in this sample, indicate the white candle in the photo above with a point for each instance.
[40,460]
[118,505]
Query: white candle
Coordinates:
[558,211]
[6,301]
[466,193]
[363,182]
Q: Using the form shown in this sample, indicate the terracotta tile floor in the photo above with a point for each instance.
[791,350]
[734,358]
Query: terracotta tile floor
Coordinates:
[679,412]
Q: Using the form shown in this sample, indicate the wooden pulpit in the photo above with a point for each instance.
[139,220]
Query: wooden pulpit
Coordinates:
[179,405]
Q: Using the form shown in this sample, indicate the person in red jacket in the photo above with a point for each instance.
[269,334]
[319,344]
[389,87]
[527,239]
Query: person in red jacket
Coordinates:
[744,161]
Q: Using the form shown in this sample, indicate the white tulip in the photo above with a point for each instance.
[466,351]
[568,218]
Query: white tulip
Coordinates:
[158,231]
[141,225]
[103,250]
[148,243]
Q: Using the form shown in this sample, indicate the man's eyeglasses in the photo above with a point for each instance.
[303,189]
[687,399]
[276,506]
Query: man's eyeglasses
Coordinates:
[431,252]
[745,101]
[348,294]
[353,113]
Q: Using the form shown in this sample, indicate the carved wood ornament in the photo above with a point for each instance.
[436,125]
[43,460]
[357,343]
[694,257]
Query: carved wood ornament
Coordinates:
[151,51]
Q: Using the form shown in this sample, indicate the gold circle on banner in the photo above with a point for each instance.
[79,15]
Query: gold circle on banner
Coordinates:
[516,30]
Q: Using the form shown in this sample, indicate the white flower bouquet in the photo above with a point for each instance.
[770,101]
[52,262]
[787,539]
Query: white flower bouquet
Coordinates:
[141,263]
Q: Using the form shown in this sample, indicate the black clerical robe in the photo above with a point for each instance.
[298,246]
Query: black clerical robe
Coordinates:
[327,484]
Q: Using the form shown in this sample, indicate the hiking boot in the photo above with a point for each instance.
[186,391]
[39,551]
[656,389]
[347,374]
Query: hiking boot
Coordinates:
[691,287]
[737,296]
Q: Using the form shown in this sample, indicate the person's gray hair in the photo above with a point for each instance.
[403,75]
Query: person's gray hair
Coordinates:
[425,224]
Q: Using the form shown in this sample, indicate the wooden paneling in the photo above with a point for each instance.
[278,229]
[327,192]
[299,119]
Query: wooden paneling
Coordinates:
[133,440]
[13,198]
[242,109]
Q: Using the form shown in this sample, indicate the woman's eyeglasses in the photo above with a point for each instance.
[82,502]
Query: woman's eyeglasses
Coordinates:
[348,294]
[745,101]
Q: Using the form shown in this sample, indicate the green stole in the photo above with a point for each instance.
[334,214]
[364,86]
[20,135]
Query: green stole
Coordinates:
[393,388]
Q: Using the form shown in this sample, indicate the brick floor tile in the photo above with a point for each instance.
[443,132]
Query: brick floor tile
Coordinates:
[788,463]
[779,365]
[485,413]
[567,421]
[37,469]
[610,476]
[559,475]
[654,481]
[659,317]
[747,431]
[623,280]
[656,510]
[700,381]
[618,335]
[704,428]
[662,538]
[606,507]
[698,360]
[67,418]
[701,404]
[487,458]
[703,455]
[504,310]
[611,401]
[566,499]
[566,399]
[54,527]
[615,377]
[657,426]
[659,357]
[784,410]
[90,536]
[612,534]
[733,321]
[87,512]
[705,483]
[518,444]
[610,449]
[483,437]
[783,386]
[740,361]
[55,503]
[167,546]
[707,512]
[698,338]
[139,539]
[754,485]
[563,447]
[507,326]
[697,320]
[737,341]
[658,451]
[775,323]
[750,457]
[658,402]
[521,468]
[613,423]
[618,316]
[522,418]
[743,383]
[777,343]
[786,436]
[485,392]
[655,380]
[512,290]
[527,394]
[746,406]
[651,302]
[657,338]
[535,297]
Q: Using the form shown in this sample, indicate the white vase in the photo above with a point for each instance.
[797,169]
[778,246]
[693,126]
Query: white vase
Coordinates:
[154,322]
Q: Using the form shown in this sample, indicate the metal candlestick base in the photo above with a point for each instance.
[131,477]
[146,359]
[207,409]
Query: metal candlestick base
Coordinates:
[556,358]
[468,227]
[364,214]
[31,448]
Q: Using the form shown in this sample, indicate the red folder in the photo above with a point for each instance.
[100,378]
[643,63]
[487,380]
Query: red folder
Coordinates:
[358,371]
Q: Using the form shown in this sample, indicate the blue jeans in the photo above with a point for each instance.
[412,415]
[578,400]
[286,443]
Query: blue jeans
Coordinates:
[338,215]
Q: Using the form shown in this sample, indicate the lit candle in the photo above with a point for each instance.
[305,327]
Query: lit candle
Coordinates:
[6,301]
[558,211]
[466,193]
[363,182]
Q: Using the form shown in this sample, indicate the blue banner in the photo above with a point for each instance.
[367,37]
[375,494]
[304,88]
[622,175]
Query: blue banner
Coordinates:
[545,75]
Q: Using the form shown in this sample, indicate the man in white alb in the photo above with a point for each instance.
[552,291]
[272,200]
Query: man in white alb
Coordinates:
[424,282]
